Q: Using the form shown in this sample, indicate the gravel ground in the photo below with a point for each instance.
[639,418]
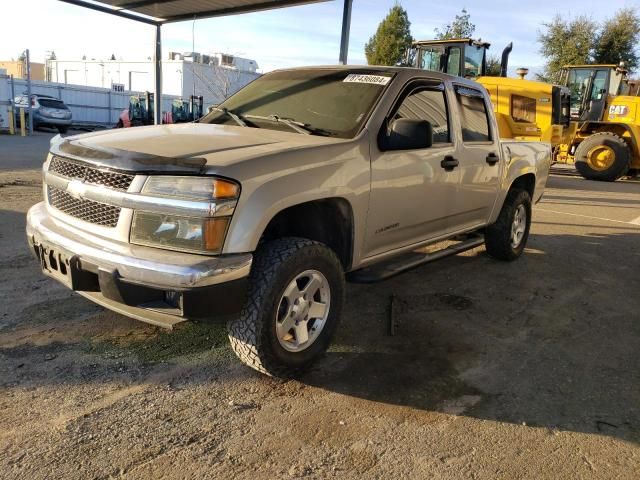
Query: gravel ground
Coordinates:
[521,370]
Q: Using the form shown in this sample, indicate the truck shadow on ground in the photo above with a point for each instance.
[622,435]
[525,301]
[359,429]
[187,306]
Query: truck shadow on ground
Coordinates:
[548,341]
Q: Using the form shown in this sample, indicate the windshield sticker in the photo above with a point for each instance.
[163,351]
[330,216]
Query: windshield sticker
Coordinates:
[372,79]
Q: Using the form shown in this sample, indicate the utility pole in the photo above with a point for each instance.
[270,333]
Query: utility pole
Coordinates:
[29,92]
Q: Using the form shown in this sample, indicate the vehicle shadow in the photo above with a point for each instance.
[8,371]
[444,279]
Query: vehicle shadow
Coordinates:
[549,341]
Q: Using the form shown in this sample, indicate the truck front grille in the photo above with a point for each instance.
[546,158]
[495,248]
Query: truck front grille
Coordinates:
[89,174]
[87,210]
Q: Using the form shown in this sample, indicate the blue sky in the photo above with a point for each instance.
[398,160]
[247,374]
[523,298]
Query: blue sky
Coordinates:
[303,35]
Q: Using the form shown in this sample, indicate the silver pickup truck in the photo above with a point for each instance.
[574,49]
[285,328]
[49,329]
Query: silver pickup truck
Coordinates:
[262,210]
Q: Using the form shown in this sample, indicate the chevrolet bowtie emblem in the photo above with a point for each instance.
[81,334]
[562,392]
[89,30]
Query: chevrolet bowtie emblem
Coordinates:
[76,189]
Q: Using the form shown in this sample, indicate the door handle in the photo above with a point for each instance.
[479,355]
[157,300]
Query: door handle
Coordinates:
[449,163]
[492,158]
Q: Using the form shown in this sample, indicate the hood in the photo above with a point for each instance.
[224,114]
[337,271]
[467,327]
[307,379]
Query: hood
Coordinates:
[183,146]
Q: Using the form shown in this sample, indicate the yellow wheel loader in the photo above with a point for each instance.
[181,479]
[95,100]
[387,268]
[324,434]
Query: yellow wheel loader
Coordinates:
[590,119]
[604,134]
[525,109]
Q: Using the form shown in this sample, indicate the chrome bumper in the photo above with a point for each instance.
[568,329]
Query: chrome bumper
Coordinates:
[135,264]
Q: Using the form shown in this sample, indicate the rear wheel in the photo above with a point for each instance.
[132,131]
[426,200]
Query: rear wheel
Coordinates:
[603,156]
[295,298]
[506,239]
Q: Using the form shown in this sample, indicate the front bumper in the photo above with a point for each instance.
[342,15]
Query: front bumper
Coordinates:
[152,285]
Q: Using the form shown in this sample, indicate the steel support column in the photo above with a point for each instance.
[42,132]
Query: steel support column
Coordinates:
[157,63]
[346,26]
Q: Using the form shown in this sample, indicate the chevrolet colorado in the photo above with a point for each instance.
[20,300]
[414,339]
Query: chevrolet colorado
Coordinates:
[259,212]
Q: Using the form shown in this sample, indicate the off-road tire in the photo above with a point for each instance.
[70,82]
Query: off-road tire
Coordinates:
[253,336]
[620,165]
[497,236]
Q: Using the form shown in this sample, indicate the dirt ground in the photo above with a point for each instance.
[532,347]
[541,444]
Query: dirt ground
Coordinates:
[521,370]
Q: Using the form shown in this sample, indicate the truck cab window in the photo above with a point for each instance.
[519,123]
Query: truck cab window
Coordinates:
[427,104]
[474,120]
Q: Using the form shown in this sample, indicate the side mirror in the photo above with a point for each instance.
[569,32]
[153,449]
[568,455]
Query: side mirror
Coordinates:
[406,134]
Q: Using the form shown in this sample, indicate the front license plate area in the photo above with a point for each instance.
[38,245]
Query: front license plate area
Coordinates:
[56,264]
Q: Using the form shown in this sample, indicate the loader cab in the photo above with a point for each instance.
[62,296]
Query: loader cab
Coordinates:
[461,57]
[591,86]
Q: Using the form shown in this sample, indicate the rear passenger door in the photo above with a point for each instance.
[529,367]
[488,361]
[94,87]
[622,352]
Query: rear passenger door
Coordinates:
[478,155]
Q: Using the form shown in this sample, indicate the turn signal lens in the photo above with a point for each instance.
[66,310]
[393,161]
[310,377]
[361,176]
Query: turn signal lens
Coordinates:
[215,230]
[225,189]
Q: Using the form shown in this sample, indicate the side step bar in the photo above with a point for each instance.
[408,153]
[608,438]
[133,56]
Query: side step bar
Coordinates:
[397,265]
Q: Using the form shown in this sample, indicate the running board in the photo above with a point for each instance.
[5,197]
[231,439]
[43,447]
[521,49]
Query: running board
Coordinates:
[397,265]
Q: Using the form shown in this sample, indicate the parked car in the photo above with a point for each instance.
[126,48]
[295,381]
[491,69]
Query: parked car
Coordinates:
[47,111]
[259,210]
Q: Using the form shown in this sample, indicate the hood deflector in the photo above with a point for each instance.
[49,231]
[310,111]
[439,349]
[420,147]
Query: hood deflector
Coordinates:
[127,161]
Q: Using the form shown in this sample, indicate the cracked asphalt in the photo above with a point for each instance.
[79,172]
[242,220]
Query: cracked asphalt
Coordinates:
[522,370]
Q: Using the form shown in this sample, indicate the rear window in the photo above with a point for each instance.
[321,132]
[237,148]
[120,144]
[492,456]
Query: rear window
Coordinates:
[52,103]
[473,115]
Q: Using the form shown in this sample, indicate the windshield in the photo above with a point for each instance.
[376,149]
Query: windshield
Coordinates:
[473,56]
[431,58]
[577,82]
[326,102]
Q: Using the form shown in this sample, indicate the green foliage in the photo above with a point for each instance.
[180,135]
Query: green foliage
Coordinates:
[617,39]
[493,66]
[581,40]
[566,42]
[461,27]
[391,40]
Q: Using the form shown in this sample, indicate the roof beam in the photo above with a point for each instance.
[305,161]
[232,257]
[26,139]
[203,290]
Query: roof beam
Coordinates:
[119,13]
[139,3]
[272,4]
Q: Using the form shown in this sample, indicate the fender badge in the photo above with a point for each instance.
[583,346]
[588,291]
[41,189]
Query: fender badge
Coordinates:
[76,189]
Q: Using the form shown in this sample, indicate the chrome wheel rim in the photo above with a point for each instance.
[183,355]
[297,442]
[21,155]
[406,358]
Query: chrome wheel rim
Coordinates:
[303,310]
[518,226]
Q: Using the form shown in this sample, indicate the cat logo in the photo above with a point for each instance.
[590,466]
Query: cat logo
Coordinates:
[618,111]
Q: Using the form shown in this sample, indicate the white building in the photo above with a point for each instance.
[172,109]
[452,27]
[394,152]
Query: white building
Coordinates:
[215,77]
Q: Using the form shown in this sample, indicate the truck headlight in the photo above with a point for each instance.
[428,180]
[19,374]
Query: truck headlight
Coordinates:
[191,188]
[190,234]
[184,233]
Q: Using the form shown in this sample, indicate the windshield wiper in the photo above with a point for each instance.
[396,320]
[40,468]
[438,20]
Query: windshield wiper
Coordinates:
[236,118]
[297,126]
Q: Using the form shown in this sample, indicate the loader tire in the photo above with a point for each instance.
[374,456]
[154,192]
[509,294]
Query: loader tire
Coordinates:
[603,156]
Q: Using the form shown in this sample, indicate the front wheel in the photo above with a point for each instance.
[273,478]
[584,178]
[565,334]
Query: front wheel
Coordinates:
[506,239]
[295,298]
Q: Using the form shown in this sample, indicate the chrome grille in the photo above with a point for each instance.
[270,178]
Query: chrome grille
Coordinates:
[87,210]
[88,174]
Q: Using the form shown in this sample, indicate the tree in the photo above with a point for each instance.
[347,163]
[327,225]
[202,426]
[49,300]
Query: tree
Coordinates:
[493,66]
[616,40]
[461,27]
[566,42]
[392,39]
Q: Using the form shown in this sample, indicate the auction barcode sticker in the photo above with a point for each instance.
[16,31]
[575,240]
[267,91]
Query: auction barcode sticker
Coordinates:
[372,79]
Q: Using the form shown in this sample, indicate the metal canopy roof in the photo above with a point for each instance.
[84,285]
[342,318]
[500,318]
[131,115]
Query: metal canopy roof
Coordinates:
[159,12]
[164,11]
